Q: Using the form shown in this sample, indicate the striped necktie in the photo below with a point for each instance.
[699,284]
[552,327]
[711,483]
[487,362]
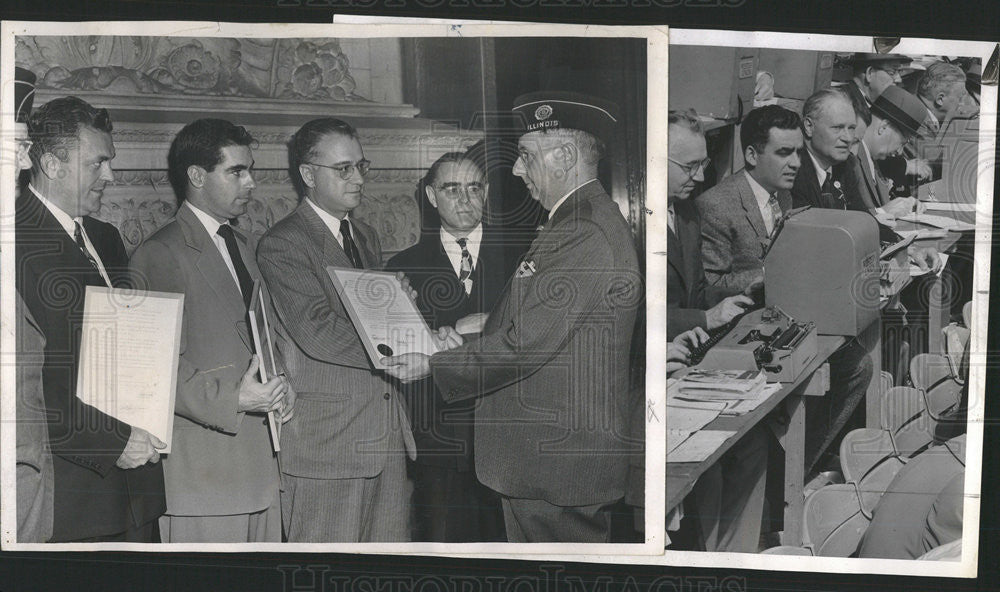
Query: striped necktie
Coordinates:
[466,266]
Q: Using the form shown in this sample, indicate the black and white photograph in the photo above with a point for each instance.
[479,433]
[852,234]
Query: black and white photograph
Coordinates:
[490,181]
[828,265]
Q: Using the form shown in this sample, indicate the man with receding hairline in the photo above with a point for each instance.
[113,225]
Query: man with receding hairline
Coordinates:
[551,368]
[108,485]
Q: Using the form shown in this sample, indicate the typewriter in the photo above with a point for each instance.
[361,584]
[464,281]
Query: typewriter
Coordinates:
[764,339]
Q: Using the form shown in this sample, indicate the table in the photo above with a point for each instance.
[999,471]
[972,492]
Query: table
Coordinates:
[681,477]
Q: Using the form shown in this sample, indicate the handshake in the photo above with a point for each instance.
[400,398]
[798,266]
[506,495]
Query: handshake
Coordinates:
[414,366]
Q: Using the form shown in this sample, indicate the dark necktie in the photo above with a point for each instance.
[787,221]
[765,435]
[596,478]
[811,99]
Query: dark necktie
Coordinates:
[78,237]
[350,248]
[245,281]
[832,195]
[466,266]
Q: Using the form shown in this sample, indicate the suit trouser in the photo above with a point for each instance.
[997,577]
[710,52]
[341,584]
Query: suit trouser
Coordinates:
[728,498]
[359,510]
[145,533]
[452,506]
[255,527]
[538,521]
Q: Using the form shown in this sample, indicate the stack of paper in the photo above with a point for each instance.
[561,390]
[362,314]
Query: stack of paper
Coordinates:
[747,405]
[721,385]
[938,221]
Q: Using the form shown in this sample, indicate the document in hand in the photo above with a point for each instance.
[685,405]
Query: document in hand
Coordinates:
[129,350]
[260,329]
[385,317]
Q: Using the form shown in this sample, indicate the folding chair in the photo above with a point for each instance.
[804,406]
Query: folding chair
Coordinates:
[833,521]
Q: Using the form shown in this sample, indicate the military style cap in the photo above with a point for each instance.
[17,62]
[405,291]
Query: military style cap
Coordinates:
[874,59]
[566,110]
[902,109]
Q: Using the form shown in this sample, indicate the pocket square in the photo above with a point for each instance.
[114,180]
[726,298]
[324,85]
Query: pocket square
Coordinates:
[526,269]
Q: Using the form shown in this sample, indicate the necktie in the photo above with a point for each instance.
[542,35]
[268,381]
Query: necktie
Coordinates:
[772,202]
[350,248]
[78,237]
[670,218]
[832,195]
[466,266]
[245,281]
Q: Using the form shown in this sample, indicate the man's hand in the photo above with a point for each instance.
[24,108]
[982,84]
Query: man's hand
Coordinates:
[902,206]
[448,338]
[727,310]
[287,408]
[679,350]
[472,323]
[257,397]
[142,447]
[405,283]
[926,258]
[408,367]
[920,168]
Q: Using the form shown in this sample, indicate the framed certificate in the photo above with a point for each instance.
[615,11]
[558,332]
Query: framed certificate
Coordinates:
[129,352]
[383,314]
[260,331]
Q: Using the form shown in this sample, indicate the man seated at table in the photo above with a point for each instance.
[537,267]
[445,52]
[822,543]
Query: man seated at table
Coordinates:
[738,216]
[728,500]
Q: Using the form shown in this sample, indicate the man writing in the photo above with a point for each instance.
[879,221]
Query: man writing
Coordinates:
[554,354]
[107,481]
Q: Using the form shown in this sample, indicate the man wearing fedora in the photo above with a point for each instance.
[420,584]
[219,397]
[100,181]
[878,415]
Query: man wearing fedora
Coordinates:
[551,367]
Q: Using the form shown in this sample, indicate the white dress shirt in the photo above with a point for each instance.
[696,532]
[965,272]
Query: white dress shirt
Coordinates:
[69,225]
[454,252]
[212,227]
[332,222]
[821,173]
[763,202]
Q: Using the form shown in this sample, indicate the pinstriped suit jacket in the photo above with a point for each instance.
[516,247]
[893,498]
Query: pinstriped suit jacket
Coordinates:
[552,365]
[348,417]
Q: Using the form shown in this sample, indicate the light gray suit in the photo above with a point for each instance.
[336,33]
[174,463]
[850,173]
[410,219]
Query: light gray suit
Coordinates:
[221,461]
[733,234]
[349,423]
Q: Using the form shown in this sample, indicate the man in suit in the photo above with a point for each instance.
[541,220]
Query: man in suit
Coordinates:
[34,459]
[343,467]
[728,499]
[688,295]
[458,272]
[553,357]
[221,473]
[875,72]
[739,215]
[108,483]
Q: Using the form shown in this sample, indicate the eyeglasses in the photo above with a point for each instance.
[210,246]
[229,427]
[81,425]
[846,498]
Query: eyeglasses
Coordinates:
[346,170]
[692,168]
[892,72]
[454,190]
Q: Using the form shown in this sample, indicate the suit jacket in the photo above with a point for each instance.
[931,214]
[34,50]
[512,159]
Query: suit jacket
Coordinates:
[444,432]
[349,418]
[221,461]
[687,292]
[869,191]
[733,233]
[552,364]
[807,192]
[93,497]
[35,479]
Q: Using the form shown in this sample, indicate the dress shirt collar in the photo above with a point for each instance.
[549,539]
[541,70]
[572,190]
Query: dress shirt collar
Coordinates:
[763,197]
[821,173]
[211,224]
[473,240]
[332,222]
[64,219]
[565,197]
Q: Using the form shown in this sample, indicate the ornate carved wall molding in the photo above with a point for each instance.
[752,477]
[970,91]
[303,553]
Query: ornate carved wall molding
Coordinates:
[300,69]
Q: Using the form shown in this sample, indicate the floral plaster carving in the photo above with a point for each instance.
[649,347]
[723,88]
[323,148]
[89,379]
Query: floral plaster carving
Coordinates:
[259,68]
